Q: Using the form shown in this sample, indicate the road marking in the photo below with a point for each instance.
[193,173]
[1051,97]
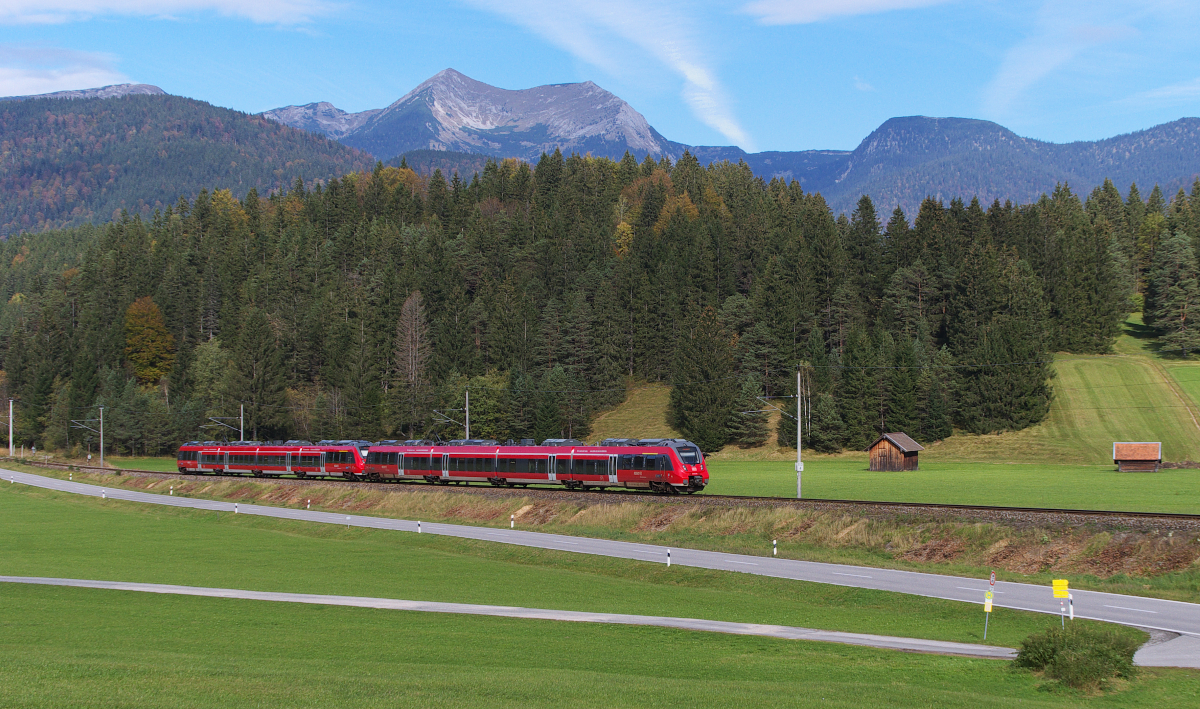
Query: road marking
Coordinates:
[976,590]
[1135,610]
[857,576]
[748,563]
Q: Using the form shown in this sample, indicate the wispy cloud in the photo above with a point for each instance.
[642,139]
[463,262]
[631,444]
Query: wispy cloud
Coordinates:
[615,35]
[862,85]
[26,70]
[278,12]
[800,12]
[1088,38]
[1170,95]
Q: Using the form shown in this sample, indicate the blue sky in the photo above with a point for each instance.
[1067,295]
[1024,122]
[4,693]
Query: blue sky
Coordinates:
[762,74]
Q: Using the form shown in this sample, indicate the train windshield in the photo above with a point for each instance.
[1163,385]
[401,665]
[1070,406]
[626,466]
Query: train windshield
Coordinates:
[689,455]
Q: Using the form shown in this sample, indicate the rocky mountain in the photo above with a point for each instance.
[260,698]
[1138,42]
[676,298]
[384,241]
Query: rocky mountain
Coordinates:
[322,117]
[900,163]
[454,112]
[113,91]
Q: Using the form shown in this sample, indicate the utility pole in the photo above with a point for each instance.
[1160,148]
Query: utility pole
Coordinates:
[242,421]
[468,426]
[10,428]
[799,428]
[101,436]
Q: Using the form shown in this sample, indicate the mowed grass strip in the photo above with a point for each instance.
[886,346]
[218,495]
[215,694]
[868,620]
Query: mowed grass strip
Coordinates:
[846,477]
[643,414]
[81,647]
[60,535]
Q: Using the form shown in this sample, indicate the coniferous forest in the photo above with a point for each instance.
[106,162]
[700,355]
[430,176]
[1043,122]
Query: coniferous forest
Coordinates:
[366,307]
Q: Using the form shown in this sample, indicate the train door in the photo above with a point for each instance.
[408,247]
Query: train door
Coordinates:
[551,470]
[446,465]
[287,462]
[612,469]
[322,461]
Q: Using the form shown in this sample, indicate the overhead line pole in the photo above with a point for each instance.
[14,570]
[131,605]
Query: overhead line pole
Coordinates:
[242,422]
[799,427]
[10,428]
[468,425]
[101,436]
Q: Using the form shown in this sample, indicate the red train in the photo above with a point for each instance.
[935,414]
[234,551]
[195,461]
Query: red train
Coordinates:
[663,465]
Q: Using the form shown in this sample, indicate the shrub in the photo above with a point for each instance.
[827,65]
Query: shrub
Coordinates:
[1079,656]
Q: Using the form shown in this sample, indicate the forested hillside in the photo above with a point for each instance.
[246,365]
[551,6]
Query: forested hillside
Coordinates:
[363,307]
[65,162]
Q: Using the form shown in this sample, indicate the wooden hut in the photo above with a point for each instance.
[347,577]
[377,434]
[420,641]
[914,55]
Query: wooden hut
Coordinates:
[894,452]
[1137,456]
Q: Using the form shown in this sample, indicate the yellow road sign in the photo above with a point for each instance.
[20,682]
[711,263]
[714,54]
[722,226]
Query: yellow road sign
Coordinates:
[987,606]
[1060,588]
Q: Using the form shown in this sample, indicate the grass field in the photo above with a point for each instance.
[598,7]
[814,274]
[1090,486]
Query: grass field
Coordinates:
[79,647]
[82,647]
[54,534]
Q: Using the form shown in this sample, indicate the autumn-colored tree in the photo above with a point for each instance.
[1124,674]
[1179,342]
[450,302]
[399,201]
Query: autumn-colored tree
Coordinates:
[149,347]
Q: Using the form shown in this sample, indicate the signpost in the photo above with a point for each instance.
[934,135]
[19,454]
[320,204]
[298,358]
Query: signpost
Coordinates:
[987,604]
[1061,591]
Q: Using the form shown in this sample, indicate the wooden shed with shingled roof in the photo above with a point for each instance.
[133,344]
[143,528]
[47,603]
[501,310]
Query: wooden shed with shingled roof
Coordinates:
[894,452]
[1137,456]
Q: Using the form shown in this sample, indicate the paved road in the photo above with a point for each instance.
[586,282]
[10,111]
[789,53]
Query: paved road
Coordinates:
[715,626]
[1157,614]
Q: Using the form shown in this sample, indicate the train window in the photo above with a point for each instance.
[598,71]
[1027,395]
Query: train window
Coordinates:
[562,466]
[522,465]
[639,462]
[507,465]
[689,455]
[664,462]
[539,465]
[626,462]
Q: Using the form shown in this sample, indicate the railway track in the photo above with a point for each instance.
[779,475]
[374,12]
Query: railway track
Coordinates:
[1032,516]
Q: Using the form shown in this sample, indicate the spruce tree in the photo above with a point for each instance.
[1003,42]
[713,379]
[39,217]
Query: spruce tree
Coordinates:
[748,422]
[1177,288]
[705,389]
[255,378]
[828,433]
[902,389]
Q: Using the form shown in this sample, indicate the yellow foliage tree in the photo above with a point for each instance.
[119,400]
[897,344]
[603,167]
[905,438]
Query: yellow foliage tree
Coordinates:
[149,347]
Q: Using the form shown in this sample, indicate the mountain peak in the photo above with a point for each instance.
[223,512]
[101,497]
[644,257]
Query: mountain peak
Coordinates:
[452,111]
[111,91]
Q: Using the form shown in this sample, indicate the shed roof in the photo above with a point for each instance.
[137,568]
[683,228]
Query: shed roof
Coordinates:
[1137,451]
[901,441]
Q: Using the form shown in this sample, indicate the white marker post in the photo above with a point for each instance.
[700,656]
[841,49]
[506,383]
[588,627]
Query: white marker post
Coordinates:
[308,504]
[1071,605]
[512,521]
[347,523]
[172,493]
[774,547]
[668,558]
[418,526]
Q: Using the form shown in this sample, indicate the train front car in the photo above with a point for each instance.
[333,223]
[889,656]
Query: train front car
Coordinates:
[662,465]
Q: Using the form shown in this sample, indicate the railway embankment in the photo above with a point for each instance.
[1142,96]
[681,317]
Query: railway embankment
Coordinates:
[1134,554]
